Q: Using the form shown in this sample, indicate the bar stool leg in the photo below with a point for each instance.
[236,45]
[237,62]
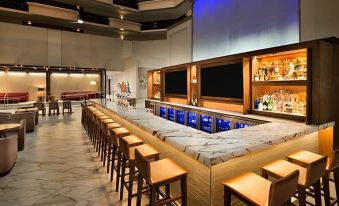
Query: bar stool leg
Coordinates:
[302,196]
[183,183]
[227,197]
[130,183]
[153,195]
[118,171]
[139,193]
[336,181]
[317,193]
[326,187]
[123,172]
[168,192]
[104,150]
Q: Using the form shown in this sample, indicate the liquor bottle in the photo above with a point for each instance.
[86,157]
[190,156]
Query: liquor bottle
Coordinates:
[256,103]
[260,105]
[265,103]
[270,103]
[256,77]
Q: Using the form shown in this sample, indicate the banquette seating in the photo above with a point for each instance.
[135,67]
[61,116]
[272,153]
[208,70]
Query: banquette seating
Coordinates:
[78,95]
[14,97]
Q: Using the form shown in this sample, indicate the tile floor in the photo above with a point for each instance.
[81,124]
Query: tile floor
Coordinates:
[58,167]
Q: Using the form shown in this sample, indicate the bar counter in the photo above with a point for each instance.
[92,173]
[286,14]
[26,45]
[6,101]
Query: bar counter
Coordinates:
[213,158]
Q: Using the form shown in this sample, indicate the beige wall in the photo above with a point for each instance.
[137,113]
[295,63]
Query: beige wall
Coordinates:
[38,46]
[180,43]
[69,83]
[319,19]
[22,83]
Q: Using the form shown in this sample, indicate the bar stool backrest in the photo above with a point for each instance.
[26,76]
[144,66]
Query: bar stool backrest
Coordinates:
[334,160]
[143,165]
[114,138]
[282,190]
[124,147]
[53,104]
[316,170]
[39,105]
[67,104]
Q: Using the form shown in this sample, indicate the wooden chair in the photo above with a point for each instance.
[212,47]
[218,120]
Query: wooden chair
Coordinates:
[157,174]
[303,158]
[255,190]
[41,107]
[116,134]
[309,176]
[53,106]
[128,145]
[66,105]
[108,144]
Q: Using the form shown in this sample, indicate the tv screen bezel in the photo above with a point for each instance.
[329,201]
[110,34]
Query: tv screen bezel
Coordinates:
[222,99]
[171,94]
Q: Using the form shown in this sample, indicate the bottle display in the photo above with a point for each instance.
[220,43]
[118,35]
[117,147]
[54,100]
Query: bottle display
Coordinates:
[282,101]
[280,70]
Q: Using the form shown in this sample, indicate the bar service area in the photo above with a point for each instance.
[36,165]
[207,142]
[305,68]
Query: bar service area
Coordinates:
[221,117]
[169,102]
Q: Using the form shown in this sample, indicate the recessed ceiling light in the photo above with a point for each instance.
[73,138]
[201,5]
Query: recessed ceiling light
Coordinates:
[122,29]
[122,37]
[78,29]
[80,21]
[121,16]
[29,22]
[78,7]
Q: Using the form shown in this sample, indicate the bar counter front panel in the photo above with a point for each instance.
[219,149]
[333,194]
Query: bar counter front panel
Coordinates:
[214,158]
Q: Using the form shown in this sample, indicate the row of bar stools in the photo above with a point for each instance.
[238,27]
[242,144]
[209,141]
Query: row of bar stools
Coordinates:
[304,158]
[128,146]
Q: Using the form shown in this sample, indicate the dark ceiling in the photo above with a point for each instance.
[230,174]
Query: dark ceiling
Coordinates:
[96,16]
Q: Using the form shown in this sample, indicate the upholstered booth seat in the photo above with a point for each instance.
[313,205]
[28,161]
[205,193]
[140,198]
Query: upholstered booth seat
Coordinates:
[14,97]
[8,153]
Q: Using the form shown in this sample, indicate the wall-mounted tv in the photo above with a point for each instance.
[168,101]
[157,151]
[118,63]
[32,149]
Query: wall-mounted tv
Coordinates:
[176,82]
[224,81]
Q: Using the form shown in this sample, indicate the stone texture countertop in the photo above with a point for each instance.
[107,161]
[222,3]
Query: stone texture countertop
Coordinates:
[212,149]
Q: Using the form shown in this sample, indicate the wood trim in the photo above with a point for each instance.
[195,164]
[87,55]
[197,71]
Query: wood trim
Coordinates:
[246,85]
[223,99]
[281,83]
[280,115]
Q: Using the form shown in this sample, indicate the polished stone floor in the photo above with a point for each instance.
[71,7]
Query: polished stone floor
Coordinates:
[58,167]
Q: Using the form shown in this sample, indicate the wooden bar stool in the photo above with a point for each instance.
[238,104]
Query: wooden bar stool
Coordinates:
[308,176]
[303,158]
[108,143]
[103,135]
[128,145]
[98,130]
[109,125]
[157,174]
[116,134]
[255,190]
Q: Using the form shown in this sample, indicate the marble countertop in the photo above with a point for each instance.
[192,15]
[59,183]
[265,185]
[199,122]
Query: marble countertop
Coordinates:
[212,149]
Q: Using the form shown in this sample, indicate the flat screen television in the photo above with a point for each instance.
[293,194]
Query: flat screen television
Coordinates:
[176,82]
[224,81]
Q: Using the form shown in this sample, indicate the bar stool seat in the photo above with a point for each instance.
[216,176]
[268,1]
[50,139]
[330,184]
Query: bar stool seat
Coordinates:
[255,190]
[165,169]
[304,158]
[120,132]
[245,184]
[103,117]
[113,125]
[145,150]
[133,140]
[282,168]
[107,121]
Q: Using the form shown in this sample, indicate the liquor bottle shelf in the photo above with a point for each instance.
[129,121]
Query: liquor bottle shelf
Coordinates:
[281,83]
[292,116]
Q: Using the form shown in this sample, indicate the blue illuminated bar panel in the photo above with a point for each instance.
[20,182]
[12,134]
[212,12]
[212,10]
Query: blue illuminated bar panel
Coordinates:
[239,125]
[163,112]
[222,125]
[206,123]
[171,115]
[192,119]
[180,117]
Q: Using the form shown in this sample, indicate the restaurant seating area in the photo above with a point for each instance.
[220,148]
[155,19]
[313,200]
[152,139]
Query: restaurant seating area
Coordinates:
[82,95]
